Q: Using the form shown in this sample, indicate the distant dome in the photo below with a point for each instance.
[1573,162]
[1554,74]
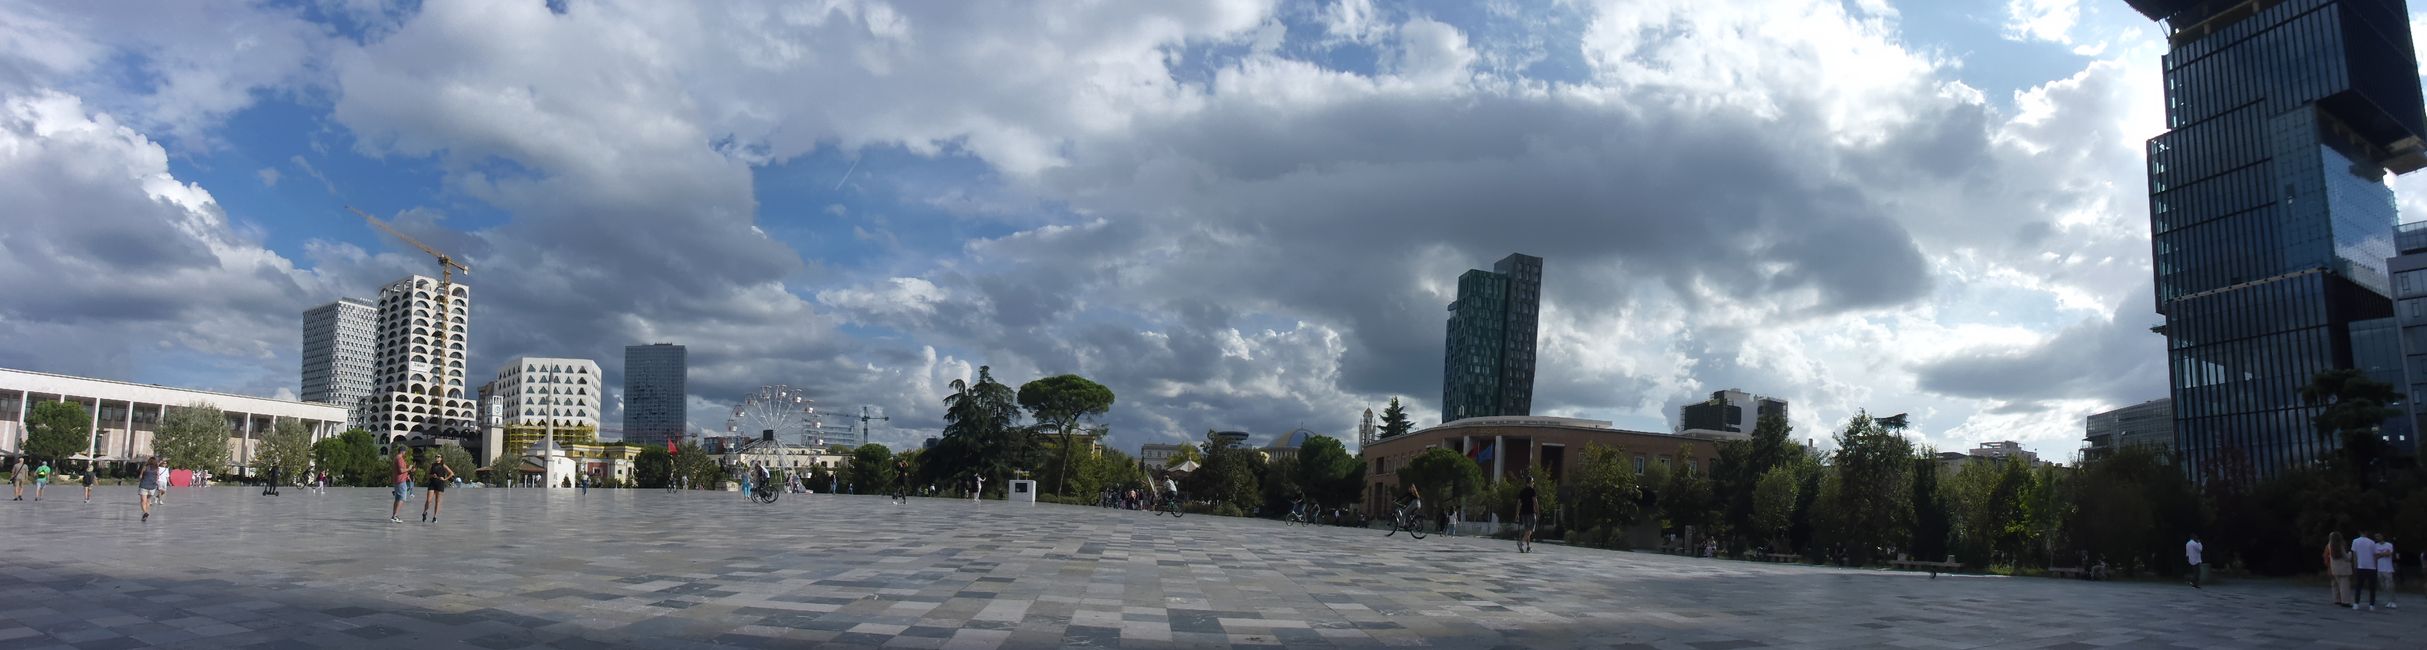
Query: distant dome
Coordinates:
[1295,439]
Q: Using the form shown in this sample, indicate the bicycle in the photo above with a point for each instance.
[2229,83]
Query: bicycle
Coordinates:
[1169,506]
[764,492]
[1298,515]
[1406,518]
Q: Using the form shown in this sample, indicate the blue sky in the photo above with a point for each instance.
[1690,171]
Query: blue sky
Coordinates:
[1239,215]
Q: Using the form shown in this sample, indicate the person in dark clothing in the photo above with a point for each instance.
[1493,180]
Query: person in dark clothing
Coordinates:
[270,488]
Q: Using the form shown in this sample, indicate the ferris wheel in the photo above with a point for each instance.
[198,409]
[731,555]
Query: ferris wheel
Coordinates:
[779,408]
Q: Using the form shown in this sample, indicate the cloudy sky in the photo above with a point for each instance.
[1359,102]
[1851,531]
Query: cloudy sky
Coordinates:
[1238,214]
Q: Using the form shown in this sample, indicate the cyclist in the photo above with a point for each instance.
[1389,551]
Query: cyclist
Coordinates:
[760,477]
[1171,490]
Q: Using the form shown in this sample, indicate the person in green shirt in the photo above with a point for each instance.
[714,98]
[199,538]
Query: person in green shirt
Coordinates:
[42,477]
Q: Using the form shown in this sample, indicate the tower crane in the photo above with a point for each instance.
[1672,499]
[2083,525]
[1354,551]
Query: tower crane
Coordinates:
[447,266]
[864,422]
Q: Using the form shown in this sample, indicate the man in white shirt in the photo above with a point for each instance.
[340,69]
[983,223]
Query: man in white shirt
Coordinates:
[2191,553]
[2384,568]
[2363,570]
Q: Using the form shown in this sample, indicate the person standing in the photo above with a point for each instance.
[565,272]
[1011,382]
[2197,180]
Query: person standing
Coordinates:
[42,479]
[1529,508]
[20,474]
[2191,553]
[439,475]
[2385,556]
[901,481]
[2363,570]
[148,487]
[88,481]
[2338,567]
[980,481]
[404,487]
[270,488]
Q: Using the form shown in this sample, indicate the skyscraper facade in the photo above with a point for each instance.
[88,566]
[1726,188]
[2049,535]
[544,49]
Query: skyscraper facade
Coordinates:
[546,398]
[2269,214]
[418,372]
[655,383]
[337,352]
[1488,364]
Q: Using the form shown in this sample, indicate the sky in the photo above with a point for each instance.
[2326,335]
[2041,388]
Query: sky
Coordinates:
[1236,214]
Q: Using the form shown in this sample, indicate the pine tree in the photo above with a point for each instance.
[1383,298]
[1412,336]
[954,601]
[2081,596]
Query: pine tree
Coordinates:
[1394,420]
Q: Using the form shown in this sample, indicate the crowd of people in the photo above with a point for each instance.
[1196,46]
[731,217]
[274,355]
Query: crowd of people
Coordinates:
[2363,564]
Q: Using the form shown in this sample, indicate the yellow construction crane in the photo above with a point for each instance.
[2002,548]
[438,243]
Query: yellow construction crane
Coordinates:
[447,266]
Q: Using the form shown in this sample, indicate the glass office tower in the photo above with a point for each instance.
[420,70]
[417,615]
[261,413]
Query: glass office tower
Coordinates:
[656,385]
[2269,213]
[1488,359]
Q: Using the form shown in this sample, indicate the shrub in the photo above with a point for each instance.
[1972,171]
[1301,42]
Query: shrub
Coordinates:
[1226,509]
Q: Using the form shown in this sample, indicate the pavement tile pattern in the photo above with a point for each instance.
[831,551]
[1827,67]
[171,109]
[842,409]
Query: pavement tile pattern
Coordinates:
[526,568]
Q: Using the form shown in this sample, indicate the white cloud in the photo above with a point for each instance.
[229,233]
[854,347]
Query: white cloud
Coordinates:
[2045,20]
[1777,194]
[269,176]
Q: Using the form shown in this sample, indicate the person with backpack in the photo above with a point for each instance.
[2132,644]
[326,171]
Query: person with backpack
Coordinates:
[20,474]
[88,482]
[42,478]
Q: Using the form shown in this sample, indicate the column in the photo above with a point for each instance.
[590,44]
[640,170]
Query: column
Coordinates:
[25,399]
[90,448]
[1499,458]
[244,448]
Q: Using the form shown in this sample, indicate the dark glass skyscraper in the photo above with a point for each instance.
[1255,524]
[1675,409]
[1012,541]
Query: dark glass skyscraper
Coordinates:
[2269,214]
[1488,366]
[656,379]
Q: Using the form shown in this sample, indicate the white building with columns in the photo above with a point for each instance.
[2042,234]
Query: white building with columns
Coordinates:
[126,414]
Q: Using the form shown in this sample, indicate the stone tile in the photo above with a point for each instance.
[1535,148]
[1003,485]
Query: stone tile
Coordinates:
[541,568]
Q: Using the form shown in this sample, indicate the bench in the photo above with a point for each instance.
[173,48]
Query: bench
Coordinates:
[1921,565]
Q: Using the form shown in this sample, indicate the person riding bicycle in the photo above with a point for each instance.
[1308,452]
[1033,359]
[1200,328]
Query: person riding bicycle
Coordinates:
[761,477]
[1411,499]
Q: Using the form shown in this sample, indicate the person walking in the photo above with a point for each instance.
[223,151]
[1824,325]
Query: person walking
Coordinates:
[404,487]
[148,488]
[88,481]
[2385,556]
[2191,553]
[20,474]
[2338,568]
[432,499]
[2363,570]
[42,479]
[1529,508]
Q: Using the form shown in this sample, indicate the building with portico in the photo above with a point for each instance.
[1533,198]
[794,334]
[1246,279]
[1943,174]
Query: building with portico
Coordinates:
[125,415]
[1506,446]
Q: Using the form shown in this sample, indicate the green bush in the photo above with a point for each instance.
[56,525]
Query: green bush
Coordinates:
[1227,510]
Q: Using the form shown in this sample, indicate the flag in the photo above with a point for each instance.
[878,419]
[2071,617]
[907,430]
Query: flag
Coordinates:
[1484,456]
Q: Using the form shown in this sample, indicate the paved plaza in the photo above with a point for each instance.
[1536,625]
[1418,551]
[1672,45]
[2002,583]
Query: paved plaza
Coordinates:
[222,568]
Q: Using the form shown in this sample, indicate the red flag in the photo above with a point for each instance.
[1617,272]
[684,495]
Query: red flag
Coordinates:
[670,448]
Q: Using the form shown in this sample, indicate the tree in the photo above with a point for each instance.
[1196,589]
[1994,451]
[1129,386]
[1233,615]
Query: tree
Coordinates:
[1327,473]
[1394,420]
[694,466]
[982,435]
[194,436]
[871,468]
[2134,508]
[1774,503]
[1229,476]
[58,430]
[506,468]
[1445,477]
[288,448]
[1870,507]
[1685,495]
[1606,495]
[2354,408]
[351,458]
[1932,523]
[654,468]
[1741,464]
[1063,404]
